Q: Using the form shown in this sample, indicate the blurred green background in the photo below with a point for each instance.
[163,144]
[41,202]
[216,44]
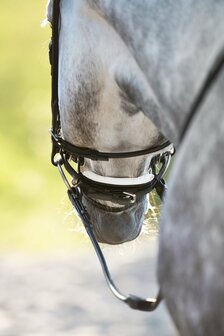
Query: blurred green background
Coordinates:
[34,212]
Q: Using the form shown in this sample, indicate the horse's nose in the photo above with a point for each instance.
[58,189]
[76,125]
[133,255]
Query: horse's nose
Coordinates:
[116,227]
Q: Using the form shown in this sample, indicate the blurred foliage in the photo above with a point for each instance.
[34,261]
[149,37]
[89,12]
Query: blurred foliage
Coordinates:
[33,200]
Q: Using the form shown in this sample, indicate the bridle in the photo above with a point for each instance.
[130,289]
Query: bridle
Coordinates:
[124,191]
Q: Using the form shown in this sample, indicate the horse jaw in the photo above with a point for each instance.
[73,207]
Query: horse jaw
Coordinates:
[116,227]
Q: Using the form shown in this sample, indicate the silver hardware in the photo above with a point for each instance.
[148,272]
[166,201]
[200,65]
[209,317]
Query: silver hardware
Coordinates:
[63,176]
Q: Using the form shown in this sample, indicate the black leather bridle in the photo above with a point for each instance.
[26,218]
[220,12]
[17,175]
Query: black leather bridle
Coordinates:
[65,153]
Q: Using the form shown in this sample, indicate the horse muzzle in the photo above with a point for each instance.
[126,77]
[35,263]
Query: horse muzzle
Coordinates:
[113,224]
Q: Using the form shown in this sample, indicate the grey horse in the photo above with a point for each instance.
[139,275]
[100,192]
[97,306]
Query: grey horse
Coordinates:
[173,45]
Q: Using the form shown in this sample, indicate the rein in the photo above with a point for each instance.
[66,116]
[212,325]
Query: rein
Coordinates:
[124,191]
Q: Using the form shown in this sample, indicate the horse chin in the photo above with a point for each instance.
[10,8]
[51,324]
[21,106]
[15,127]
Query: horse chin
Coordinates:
[114,226]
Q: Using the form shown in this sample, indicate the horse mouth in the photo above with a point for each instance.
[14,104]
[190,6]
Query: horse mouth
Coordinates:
[116,224]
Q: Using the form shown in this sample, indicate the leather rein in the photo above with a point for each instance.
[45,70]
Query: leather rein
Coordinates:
[95,187]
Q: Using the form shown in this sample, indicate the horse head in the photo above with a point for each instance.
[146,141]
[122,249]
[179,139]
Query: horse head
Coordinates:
[102,93]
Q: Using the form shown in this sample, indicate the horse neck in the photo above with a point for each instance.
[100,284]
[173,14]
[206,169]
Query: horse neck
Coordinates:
[169,42]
